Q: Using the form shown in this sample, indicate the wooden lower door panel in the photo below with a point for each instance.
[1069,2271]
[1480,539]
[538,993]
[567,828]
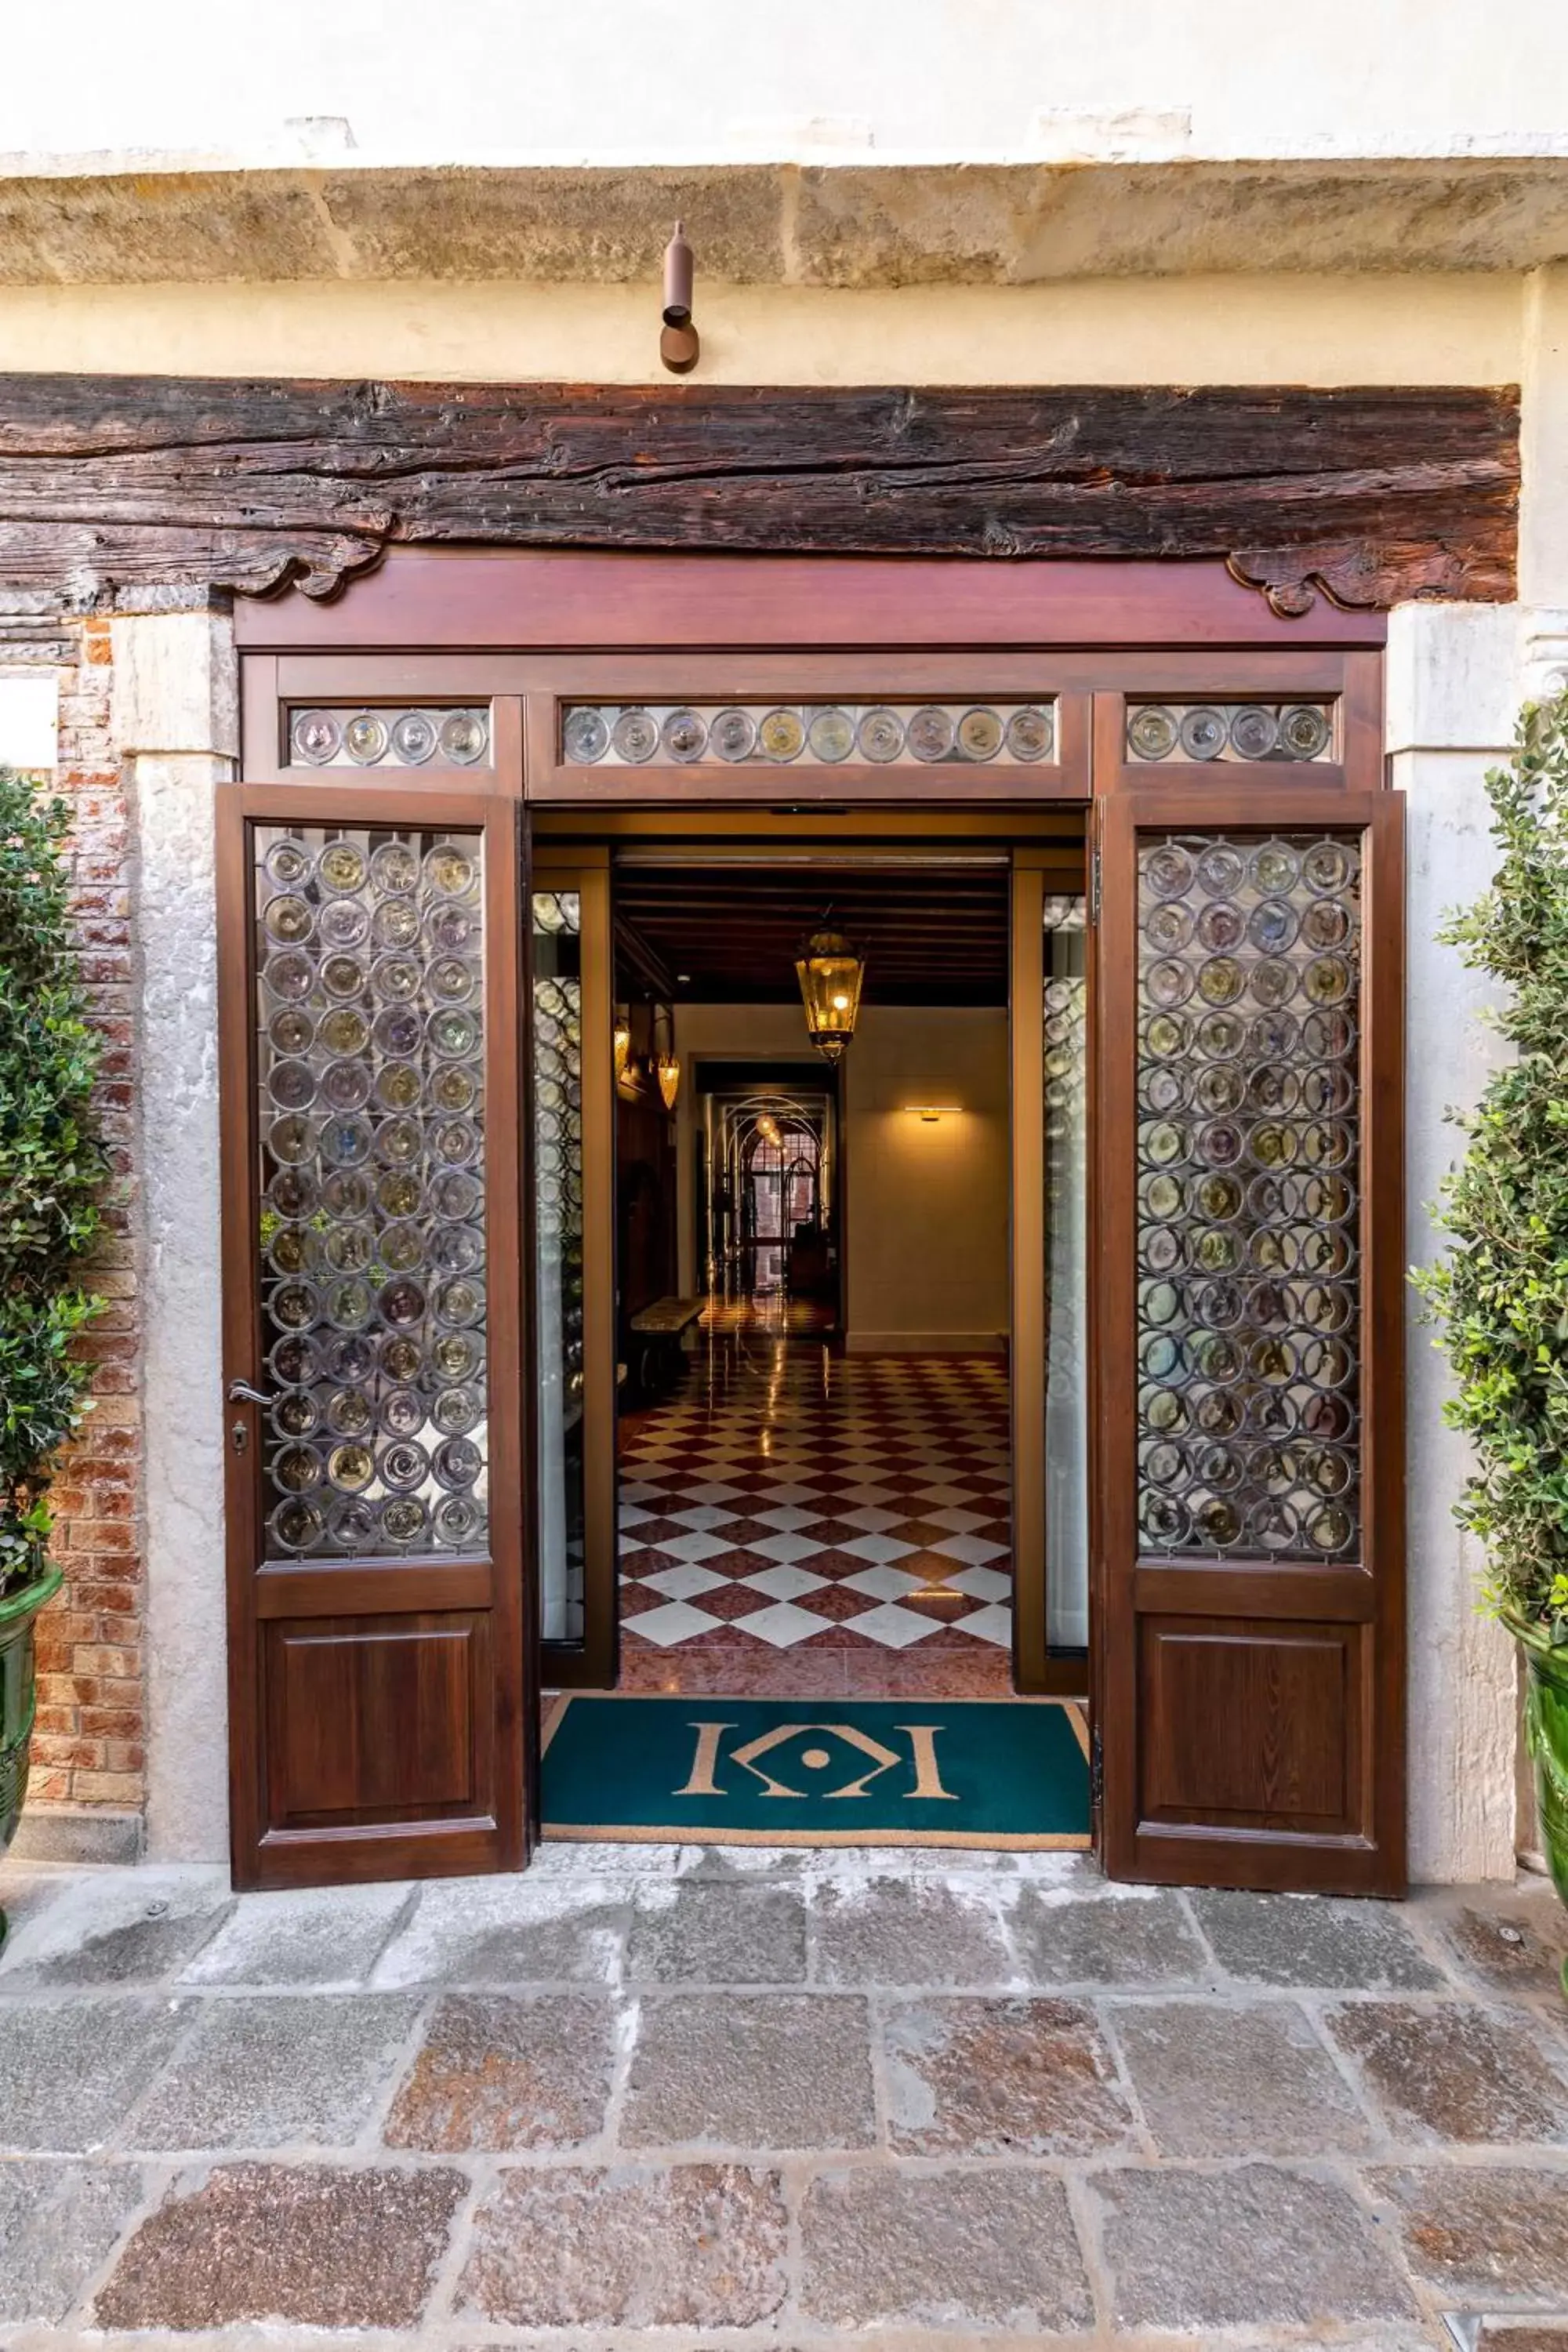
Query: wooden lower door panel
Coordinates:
[1250,1724]
[376,1722]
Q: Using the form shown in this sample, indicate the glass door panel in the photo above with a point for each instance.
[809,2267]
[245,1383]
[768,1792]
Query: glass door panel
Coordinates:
[1049,1354]
[370,1071]
[571,1128]
[557,917]
[1066,1026]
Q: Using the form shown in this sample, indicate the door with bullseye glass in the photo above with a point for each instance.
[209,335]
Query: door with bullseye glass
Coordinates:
[1249,1206]
[373,1319]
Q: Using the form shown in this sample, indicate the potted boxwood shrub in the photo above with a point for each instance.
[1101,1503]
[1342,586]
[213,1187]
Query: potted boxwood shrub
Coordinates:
[1500,1292]
[51,1173]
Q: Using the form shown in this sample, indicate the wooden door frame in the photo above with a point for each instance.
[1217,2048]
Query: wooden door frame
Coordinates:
[525,632]
[591,1663]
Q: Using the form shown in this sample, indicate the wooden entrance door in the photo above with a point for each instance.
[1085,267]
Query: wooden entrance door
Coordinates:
[1248,1259]
[379,1719]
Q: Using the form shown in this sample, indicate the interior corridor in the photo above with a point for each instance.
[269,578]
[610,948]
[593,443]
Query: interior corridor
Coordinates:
[804,1523]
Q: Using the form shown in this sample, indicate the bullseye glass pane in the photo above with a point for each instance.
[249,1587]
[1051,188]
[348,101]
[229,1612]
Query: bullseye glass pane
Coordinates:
[1248,1195]
[369,961]
[558,1247]
[808,734]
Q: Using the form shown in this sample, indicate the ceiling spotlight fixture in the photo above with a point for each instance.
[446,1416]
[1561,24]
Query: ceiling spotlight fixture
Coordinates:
[679,346]
[831,976]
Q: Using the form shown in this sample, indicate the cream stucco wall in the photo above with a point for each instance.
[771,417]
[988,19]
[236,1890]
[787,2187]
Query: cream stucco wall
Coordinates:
[927,1203]
[1427,328]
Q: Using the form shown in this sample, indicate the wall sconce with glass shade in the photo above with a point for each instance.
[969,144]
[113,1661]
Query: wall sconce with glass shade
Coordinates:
[931,1112]
[621,1040]
[664,1060]
[831,976]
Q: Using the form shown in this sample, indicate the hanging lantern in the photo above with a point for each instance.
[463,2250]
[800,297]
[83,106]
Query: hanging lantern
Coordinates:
[831,976]
[623,1041]
[668,1072]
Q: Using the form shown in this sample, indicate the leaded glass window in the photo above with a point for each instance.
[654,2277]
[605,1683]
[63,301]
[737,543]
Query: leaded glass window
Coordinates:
[1249,1193]
[370,1005]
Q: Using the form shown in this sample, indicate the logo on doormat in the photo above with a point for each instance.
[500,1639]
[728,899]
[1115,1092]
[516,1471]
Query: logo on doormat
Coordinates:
[807,1763]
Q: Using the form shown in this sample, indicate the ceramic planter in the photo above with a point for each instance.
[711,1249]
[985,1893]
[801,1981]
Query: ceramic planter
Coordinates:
[1546,1735]
[18,1613]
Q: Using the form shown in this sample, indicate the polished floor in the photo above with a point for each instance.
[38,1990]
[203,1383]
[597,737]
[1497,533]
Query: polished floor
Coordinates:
[802,1523]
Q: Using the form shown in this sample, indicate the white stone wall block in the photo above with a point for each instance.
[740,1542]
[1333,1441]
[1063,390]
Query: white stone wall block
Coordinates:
[177,684]
[1450,680]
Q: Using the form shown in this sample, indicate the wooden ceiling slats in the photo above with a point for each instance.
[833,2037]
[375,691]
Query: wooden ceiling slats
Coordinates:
[930,935]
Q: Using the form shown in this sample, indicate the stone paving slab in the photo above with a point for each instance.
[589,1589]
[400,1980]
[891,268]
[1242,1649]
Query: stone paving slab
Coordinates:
[542,1928]
[1486,2237]
[1212,2078]
[1315,1939]
[503,2074]
[57,2223]
[329,1939]
[721,1930]
[1188,2248]
[976,2077]
[264,2073]
[733,2100]
[70,2073]
[318,2245]
[117,1927]
[785,2071]
[632,2247]
[884,1929]
[1450,2074]
[965,2251]
[1136,1937]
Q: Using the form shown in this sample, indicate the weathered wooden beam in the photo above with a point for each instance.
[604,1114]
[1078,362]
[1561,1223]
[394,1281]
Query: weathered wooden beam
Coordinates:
[1371,494]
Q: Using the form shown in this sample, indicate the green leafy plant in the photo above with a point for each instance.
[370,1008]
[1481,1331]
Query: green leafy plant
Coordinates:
[1500,1292]
[52,1170]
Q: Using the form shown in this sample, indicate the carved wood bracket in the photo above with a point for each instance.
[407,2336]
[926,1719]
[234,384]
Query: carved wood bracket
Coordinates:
[1367,496]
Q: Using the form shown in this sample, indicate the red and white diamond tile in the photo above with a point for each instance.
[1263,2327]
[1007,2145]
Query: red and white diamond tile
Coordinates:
[788,1500]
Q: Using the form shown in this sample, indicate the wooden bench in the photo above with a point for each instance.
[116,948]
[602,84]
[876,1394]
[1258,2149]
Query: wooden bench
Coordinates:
[660,1329]
[667,1319]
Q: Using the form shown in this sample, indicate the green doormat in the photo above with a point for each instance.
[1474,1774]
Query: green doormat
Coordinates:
[979,1772]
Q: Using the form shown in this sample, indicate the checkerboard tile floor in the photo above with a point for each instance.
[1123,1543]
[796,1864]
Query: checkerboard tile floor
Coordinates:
[788,1502]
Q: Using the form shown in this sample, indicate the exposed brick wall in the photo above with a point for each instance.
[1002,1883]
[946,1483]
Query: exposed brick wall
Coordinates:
[89,1743]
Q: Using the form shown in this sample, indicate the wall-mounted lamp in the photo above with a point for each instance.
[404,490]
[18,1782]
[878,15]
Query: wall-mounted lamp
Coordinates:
[621,1040]
[931,1112]
[665,1059]
[679,346]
